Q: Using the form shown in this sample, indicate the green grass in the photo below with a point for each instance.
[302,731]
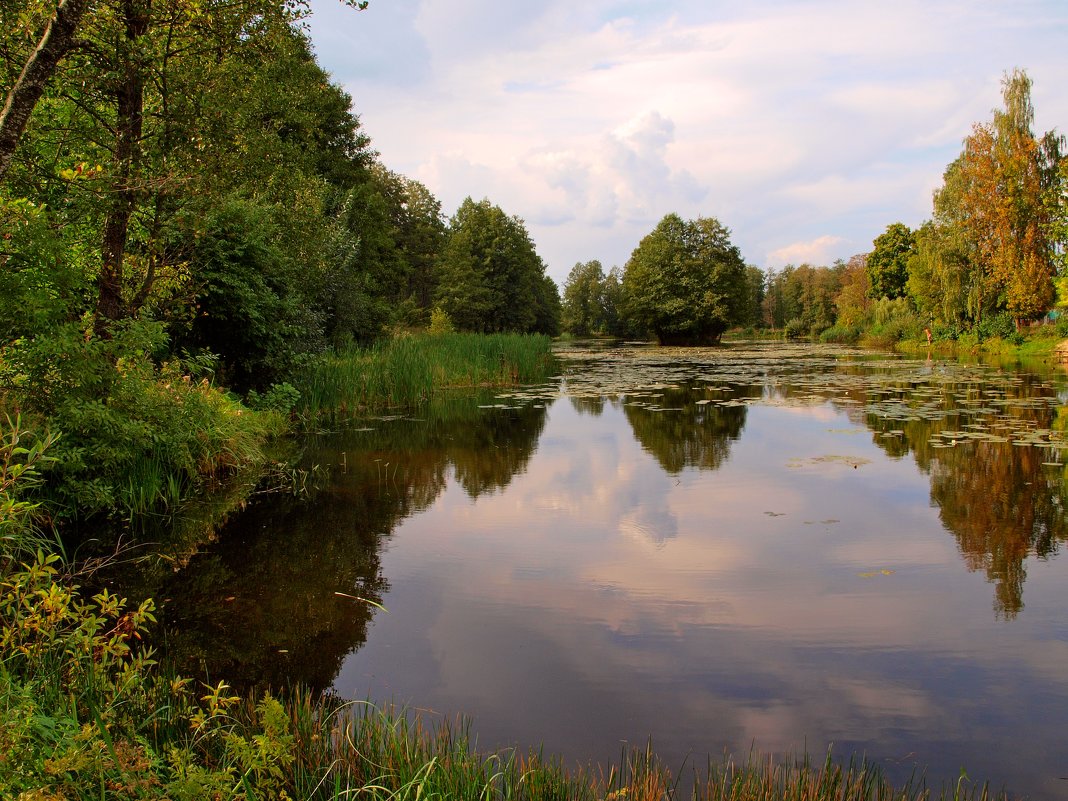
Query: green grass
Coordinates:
[407,371]
[387,754]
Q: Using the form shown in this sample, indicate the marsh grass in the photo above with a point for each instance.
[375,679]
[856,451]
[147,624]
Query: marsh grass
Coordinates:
[407,371]
[389,754]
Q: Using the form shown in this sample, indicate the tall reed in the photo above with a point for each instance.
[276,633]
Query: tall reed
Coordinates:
[389,754]
[406,371]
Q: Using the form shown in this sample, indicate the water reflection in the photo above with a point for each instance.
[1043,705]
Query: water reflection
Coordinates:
[685,430]
[282,596]
[715,549]
[996,476]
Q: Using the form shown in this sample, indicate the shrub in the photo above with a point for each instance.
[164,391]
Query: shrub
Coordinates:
[795,329]
[440,322]
[842,334]
[136,435]
[1001,325]
[278,398]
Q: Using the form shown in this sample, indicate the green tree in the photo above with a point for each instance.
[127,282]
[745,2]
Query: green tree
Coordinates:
[26,90]
[941,279]
[583,308]
[754,298]
[685,282]
[887,263]
[615,322]
[489,276]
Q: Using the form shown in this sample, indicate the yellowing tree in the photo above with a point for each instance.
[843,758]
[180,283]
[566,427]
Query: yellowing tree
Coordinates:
[1006,204]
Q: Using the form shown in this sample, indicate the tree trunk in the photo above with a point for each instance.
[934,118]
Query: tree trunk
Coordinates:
[55,42]
[129,123]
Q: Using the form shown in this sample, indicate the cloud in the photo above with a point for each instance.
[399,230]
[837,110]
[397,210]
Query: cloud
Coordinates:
[816,251]
[789,123]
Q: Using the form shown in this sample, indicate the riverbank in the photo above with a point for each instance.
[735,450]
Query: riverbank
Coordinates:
[1044,345]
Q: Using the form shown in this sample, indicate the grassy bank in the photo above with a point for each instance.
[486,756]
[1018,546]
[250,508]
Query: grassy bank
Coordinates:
[406,371]
[1035,350]
[1030,345]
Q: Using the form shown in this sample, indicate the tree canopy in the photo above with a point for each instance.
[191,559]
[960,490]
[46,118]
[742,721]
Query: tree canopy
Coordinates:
[887,264]
[685,283]
[490,277]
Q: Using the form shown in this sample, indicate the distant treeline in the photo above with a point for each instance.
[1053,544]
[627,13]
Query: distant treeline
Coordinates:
[984,264]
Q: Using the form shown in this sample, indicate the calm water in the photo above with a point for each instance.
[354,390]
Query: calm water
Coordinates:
[770,546]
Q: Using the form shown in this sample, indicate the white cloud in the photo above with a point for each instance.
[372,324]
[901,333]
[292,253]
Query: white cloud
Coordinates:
[792,124]
[816,251]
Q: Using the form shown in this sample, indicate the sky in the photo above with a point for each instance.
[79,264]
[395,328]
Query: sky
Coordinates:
[804,127]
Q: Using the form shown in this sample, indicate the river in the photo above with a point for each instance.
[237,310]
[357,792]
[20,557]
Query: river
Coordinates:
[782,547]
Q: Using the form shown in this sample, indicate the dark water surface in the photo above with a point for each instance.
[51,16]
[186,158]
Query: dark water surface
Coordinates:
[762,546]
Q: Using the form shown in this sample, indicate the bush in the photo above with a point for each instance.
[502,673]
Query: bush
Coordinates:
[1001,325]
[279,398]
[841,334]
[136,435]
[440,322]
[795,329]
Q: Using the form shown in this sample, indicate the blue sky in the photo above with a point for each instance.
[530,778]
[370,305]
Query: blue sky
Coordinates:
[805,127]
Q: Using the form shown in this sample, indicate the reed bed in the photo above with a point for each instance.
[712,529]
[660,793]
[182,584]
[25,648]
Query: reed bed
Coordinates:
[406,371]
[389,754]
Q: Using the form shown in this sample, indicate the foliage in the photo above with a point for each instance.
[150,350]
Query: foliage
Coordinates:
[893,320]
[853,302]
[685,282]
[1001,325]
[941,279]
[1007,193]
[490,278]
[250,310]
[807,294]
[756,290]
[22,456]
[136,435]
[440,322]
[795,329]
[583,304]
[887,264]
[842,334]
[278,398]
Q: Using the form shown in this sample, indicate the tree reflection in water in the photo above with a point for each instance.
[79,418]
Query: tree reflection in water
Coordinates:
[1001,500]
[288,589]
[688,433]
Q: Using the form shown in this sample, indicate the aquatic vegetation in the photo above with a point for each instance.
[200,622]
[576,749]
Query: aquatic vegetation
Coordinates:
[407,371]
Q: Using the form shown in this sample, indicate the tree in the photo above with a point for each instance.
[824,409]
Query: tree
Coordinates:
[685,282]
[583,310]
[754,298]
[942,283]
[489,276]
[853,302]
[888,262]
[1008,201]
[615,322]
[57,39]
